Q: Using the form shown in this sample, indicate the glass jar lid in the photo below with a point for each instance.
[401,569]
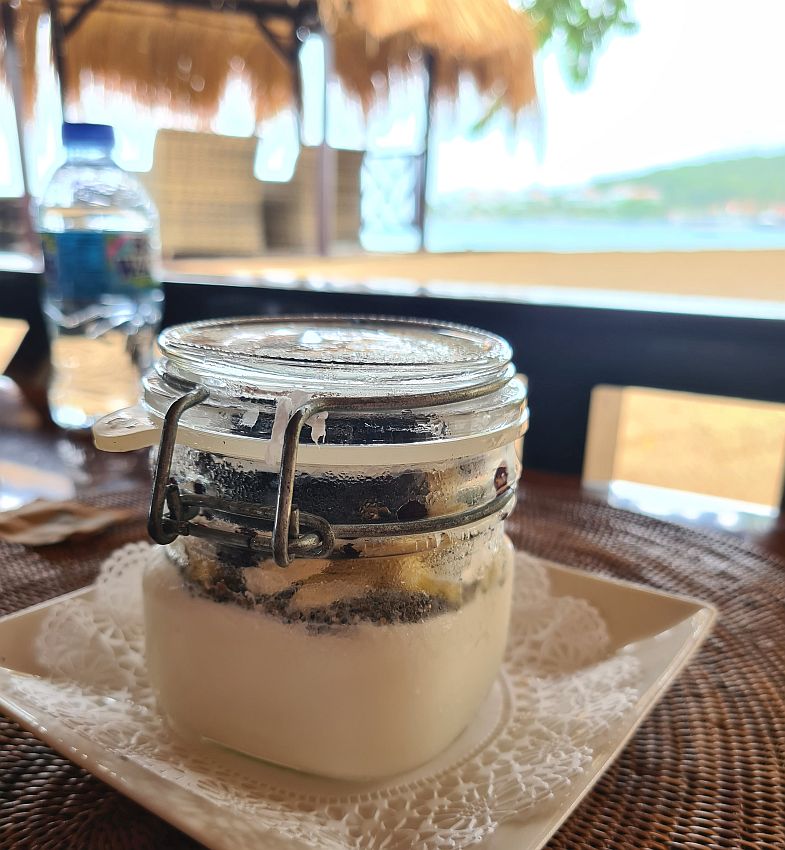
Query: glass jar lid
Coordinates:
[340,355]
[414,387]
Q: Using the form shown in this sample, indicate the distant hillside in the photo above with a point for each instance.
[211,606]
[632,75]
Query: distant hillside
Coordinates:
[760,179]
[753,183]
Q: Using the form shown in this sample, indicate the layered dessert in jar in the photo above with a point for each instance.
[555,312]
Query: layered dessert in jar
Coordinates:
[333,590]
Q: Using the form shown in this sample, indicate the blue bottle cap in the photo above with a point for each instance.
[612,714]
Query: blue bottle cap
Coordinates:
[88,135]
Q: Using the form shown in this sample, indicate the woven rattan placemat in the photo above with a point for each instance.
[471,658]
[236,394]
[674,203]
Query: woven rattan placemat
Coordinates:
[706,770]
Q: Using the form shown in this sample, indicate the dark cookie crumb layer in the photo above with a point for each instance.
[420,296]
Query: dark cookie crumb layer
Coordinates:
[380,607]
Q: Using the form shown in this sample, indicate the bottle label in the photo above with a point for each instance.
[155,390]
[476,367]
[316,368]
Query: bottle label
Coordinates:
[84,265]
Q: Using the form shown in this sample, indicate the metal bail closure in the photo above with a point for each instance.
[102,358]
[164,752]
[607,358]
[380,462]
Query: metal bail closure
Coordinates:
[162,528]
[294,534]
[304,535]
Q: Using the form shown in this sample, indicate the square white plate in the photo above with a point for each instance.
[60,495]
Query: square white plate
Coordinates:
[661,630]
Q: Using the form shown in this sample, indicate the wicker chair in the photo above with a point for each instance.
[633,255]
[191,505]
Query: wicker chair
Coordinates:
[209,202]
[291,209]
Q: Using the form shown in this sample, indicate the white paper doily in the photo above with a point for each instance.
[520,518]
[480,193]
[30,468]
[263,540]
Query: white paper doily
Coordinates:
[558,695]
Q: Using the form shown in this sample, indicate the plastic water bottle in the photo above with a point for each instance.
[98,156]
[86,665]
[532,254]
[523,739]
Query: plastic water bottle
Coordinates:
[102,299]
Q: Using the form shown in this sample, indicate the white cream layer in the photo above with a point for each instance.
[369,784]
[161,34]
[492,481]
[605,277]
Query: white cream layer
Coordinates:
[359,702]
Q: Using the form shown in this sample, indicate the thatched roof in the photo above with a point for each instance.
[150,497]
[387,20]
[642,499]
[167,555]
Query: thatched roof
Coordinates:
[163,53]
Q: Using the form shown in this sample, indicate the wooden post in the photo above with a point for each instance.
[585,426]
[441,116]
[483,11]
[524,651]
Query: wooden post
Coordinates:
[13,71]
[422,184]
[57,37]
[326,189]
[297,81]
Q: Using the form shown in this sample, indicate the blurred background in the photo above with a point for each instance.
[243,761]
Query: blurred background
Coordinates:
[656,126]
[600,181]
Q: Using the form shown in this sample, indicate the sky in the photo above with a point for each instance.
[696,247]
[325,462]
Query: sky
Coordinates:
[698,80]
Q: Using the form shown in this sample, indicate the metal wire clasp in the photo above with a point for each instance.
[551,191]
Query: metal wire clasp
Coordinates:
[294,533]
[303,535]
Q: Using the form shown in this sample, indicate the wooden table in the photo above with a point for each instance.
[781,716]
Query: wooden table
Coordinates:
[707,770]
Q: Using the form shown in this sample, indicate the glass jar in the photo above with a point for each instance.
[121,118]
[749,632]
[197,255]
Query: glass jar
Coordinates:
[330,492]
